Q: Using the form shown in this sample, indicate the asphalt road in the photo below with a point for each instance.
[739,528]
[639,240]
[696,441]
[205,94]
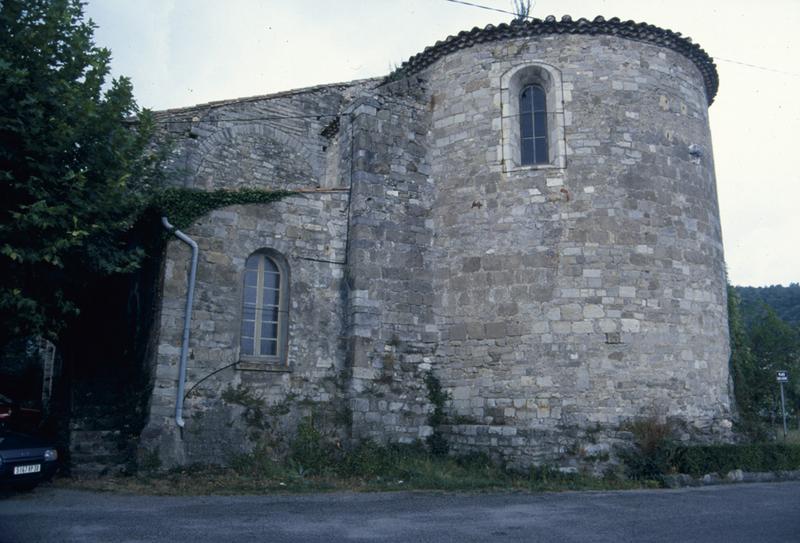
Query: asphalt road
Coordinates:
[746,512]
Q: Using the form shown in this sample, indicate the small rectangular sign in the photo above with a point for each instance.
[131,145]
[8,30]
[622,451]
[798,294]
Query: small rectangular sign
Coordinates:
[783,376]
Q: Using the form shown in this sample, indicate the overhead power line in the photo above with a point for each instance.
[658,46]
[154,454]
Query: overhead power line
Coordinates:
[319,117]
[756,66]
[189,118]
[488,8]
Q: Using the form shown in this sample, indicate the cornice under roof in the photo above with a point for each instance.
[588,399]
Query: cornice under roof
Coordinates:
[630,30]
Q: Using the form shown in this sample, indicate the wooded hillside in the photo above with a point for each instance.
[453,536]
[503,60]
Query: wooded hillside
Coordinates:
[785,301]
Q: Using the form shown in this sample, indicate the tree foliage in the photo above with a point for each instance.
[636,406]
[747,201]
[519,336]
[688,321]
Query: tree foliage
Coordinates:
[776,346]
[784,300]
[743,367]
[75,171]
[758,351]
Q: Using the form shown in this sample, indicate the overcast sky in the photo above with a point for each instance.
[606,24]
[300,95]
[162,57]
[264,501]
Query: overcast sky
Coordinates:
[184,52]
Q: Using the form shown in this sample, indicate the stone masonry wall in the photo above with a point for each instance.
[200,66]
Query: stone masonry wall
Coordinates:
[277,145]
[265,142]
[554,302]
[574,299]
[391,325]
[251,404]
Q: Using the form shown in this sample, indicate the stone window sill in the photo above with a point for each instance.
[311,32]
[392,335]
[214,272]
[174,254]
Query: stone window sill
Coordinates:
[256,364]
[518,168]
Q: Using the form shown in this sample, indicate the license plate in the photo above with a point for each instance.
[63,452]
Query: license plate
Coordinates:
[32,468]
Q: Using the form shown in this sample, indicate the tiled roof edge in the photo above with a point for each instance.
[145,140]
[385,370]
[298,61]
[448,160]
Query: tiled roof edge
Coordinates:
[631,30]
[281,94]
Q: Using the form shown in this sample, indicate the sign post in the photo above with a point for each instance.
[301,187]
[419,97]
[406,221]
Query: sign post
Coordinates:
[783,377]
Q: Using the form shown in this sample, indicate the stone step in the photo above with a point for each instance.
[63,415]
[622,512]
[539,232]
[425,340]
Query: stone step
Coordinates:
[100,421]
[92,470]
[96,452]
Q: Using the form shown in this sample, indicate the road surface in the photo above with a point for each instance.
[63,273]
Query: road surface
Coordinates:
[731,513]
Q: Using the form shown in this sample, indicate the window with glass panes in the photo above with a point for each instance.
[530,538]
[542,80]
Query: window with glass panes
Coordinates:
[261,312]
[533,125]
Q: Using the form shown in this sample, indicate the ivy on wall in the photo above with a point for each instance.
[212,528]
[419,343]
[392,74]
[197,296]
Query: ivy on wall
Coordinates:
[184,206]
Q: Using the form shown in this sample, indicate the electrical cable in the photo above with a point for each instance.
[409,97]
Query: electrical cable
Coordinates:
[488,8]
[757,66]
[317,116]
[185,396]
[251,119]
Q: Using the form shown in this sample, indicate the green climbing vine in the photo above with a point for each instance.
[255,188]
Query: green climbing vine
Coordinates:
[184,206]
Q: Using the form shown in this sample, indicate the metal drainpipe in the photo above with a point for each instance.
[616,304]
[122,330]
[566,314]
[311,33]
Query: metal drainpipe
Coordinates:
[187,319]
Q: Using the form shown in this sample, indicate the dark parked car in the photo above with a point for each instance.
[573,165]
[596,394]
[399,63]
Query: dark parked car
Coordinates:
[25,460]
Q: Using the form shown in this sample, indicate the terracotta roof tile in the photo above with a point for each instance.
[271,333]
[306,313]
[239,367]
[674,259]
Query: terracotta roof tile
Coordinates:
[630,30]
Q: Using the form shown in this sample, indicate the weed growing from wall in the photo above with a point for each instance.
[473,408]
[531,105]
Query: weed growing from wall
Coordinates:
[149,461]
[652,455]
[253,404]
[438,397]
[310,452]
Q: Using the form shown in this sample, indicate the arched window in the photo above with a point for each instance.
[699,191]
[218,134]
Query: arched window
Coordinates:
[533,126]
[532,118]
[265,307]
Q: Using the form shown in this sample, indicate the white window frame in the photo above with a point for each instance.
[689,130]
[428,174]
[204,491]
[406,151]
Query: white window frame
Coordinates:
[282,339]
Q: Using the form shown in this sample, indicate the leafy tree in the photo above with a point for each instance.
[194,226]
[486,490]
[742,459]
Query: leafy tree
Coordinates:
[784,300]
[743,363]
[75,170]
[776,346]
[763,342]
